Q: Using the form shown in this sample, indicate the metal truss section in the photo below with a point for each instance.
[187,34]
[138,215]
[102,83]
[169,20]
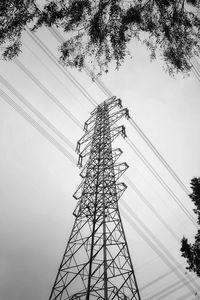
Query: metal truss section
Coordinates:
[116,153]
[111,102]
[114,133]
[96,263]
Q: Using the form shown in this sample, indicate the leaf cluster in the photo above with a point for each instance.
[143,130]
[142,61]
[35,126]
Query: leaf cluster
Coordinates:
[99,31]
[192,251]
[14,16]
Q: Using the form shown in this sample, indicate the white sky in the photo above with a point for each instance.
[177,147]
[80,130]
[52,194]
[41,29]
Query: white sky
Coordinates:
[37,181]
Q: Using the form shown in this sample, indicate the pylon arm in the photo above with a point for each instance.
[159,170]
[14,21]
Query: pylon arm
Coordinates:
[114,133]
[119,169]
[91,120]
[118,115]
[120,187]
[113,101]
[84,139]
[116,153]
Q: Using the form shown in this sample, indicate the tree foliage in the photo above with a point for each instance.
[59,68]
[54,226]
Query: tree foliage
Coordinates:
[100,30]
[192,251]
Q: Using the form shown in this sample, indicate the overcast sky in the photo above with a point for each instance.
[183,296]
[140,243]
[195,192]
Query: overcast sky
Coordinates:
[37,180]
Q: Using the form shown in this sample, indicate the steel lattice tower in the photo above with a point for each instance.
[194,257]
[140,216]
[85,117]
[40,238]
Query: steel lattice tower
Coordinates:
[96,263]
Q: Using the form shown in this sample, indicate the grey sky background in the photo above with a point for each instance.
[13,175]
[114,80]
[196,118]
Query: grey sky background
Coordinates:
[37,181]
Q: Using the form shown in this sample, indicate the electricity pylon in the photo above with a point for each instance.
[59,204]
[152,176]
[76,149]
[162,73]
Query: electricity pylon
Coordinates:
[97,263]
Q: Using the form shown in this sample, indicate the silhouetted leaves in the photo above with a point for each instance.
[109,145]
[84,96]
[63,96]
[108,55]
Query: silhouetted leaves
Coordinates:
[50,15]
[14,15]
[12,51]
[100,31]
[192,251]
[195,196]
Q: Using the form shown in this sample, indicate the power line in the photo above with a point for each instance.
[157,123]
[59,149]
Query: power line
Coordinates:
[88,71]
[37,126]
[146,238]
[159,156]
[159,278]
[49,70]
[52,57]
[36,112]
[188,295]
[141,196]
[99,82]
[168,290]
[194,66]
[196,63]
[161,181]
[47,92]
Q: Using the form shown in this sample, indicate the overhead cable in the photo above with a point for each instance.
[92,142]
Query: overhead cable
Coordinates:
[153,210]
[49,70]
[196,63]
[37,126]
[168,290]
[194,67]
[159,156]
[91,74]
[148,237]
[53,58]
[190,295]
[158,216]
[161,181]
[36,112]
[157,279]
[47,92]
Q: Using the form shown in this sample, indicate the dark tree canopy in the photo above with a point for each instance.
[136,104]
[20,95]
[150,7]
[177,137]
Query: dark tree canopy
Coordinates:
[100,30]
[192,251]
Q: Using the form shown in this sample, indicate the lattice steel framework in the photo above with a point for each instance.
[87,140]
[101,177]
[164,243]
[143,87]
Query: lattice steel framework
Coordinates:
[96,263]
